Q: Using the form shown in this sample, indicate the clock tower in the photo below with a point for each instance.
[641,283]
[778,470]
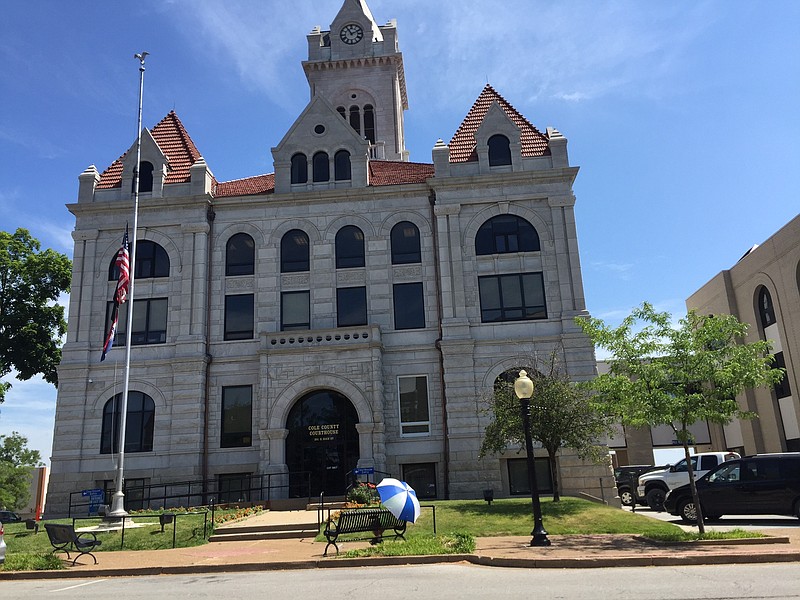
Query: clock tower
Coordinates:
[357,67]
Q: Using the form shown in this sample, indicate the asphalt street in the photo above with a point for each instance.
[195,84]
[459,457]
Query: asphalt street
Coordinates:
[728,522]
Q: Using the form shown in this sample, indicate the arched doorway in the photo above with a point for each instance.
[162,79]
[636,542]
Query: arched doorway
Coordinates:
[322,441]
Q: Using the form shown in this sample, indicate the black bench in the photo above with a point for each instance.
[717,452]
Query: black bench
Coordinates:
[63,537]
[375,520]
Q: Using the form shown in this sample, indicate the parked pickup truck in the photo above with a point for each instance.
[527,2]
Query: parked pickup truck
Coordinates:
[653,486]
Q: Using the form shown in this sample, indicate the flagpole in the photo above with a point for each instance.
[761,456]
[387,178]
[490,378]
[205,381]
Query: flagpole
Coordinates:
[118,502]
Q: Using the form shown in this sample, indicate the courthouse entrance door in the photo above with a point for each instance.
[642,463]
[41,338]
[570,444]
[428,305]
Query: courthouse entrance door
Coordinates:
[323,441]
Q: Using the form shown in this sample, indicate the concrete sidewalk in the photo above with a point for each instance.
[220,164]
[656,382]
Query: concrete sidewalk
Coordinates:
[567,551]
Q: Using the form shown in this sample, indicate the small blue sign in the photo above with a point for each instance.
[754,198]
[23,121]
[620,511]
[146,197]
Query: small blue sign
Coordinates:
[96,497]
[364,471]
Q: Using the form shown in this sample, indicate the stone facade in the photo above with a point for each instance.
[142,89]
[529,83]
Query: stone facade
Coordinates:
[330,173]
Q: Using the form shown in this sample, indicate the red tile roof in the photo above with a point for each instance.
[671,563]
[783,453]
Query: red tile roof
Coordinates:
[249,186]
[175,143]
[389,172]
[462,146]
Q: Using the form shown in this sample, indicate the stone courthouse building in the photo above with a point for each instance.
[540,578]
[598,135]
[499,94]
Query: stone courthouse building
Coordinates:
[350,310]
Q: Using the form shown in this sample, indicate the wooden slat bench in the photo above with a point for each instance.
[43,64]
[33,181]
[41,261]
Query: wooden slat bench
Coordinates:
[62,537]
[375,520]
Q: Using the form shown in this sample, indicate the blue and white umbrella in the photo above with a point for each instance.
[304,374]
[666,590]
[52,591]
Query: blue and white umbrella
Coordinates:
[399,498]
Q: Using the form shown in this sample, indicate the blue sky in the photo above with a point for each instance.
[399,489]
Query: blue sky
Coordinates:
[683,116]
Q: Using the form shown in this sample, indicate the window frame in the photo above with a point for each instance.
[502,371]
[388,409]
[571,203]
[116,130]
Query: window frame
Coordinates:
[240,438]
[402,304]
[298,173]
[539,310]
[320,167]
[136,336]
[499,150]
[295,326]
[230,334]
[495,236]
[142,441]
[350,250]
[156,259]
[240,261]
[356,294]
[418,423]
[405,250]
[295,258]
[342,170]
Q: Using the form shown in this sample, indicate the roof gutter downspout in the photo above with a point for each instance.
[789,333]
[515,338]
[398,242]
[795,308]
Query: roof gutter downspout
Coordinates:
[437,270]
[210,216]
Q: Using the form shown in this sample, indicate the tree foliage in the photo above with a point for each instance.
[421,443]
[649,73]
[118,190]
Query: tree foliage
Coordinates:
[16,461]
[561,415]
[677,374]
[31,324]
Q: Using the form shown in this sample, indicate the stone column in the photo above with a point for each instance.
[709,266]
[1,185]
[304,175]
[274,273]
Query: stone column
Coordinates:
[366,455]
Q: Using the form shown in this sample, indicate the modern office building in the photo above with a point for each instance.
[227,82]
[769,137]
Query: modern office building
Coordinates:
[763,290]
[352,309]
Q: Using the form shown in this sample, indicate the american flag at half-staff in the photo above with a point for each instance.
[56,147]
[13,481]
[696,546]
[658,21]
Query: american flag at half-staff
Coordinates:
[123,266]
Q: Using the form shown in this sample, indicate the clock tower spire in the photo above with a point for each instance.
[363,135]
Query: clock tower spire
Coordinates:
[357,67]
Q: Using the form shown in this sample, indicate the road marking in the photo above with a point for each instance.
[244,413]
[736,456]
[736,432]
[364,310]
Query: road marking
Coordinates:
[72,587]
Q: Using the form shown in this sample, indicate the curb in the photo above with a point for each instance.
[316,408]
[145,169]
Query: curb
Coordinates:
[647,560]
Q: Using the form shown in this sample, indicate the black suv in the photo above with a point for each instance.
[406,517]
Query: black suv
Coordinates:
[626,478]
[764,484]
[6,516]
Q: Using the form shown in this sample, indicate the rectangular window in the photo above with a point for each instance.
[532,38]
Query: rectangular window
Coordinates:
[149,322]
[421,477]
[295,311]
[782,389]
[516,297]
[237,416]
[409,306]
[518,476]
[351,306]
[136,491]
[239,317]
[414,415]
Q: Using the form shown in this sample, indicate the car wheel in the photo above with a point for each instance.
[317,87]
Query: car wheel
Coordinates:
[626,497]
[655,499]
[687,511]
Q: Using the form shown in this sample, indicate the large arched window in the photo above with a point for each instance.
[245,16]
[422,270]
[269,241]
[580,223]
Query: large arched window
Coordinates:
[766,311]
[151,261]
[139,424]
[299,168]
[294,252]
[355,118]
[349,247]
[341,165]
[506,233]
[405,244]
[240,255]
[321,167]
[499,151]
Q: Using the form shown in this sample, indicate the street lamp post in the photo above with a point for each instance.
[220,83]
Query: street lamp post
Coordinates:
[523,388]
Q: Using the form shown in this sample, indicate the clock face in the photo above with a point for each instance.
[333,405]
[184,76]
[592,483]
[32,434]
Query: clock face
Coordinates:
[351,34]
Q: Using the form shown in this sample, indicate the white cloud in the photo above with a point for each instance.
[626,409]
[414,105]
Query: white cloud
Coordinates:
[29,409]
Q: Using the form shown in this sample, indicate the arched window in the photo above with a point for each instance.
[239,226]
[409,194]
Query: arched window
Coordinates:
[299,168]
[506,233]
[355,119]
[145,178]
[139,424]
[240,255]
[499,151]
[405,244]
[342,111]
[294,252]
[151,261]
[321,167]
[766,311]
[349,247]
[341,165]
[369,123]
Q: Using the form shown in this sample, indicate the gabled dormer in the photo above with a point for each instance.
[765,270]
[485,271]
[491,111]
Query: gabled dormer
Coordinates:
[494,138]
[171,165]
[320,151]
[153,167]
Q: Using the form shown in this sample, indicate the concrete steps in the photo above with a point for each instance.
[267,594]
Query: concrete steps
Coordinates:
[277,531]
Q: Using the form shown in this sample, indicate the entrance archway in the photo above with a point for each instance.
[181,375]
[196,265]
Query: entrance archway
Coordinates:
[322,441]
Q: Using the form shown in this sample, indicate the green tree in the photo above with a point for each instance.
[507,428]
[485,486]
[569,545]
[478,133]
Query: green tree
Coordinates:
[31,324]
[677,374]
[16,461]
[561,415]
